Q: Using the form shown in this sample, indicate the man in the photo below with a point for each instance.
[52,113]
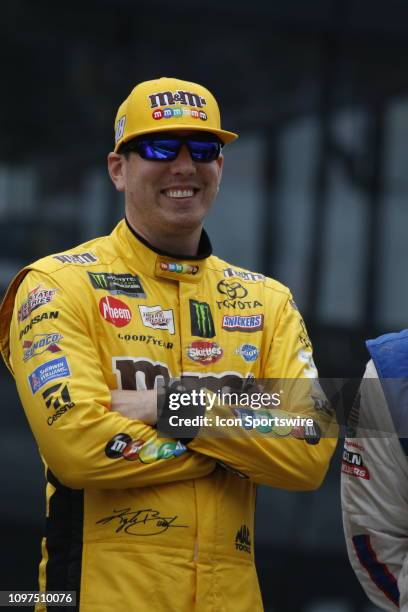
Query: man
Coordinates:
[136,520]
[375,475]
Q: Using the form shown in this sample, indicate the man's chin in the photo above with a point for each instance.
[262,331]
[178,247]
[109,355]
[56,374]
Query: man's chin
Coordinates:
[184,222]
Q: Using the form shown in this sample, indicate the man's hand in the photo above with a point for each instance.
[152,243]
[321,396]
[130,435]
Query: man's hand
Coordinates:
[136,405]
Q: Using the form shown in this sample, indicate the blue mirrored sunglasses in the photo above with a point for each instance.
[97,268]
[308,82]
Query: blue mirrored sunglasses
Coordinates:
[165,147]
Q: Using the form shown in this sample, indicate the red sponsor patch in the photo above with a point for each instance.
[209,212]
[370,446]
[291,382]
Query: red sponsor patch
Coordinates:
[204,352]
[115,311]
[355,470]
[353,444]
[131,452]
[37,297]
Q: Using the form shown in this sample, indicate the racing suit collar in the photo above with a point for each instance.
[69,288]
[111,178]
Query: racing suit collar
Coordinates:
[156,263]
[204,246]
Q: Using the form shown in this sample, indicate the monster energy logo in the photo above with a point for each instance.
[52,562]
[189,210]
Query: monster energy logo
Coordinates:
[202,323]
[98,281]
[117,284]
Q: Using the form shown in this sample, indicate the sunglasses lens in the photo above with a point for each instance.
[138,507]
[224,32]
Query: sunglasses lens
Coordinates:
[167,149]
[204,151]
[162,150]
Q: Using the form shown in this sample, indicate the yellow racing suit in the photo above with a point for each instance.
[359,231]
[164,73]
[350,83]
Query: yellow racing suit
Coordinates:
[136,521]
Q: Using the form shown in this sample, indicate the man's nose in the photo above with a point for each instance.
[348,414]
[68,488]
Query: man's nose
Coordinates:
[183,164]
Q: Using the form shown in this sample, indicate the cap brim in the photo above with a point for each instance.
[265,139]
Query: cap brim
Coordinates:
[223,135]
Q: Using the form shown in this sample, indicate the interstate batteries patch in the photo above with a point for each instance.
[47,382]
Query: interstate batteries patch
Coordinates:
[117,284]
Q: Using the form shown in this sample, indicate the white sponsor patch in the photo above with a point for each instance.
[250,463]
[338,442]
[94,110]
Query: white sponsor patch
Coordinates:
[306,357]
[39,296]
[76,258]
[157,318]
[120,128]
[244,274]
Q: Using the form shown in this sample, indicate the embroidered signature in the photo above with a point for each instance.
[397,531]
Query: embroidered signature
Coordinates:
[146,522]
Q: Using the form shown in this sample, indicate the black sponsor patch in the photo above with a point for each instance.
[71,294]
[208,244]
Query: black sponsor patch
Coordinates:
[202,323]
[117,284]
[353,465]
[246,275]
[233,289]
[243,539]
[115,447]
[313,433]
[37,319]
[146,338]
[238,304]
[57,397]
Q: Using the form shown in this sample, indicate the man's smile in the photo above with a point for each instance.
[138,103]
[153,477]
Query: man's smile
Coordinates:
[180,192]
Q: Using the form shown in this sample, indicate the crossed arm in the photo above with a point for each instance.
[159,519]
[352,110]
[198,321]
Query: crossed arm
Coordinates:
[136,405]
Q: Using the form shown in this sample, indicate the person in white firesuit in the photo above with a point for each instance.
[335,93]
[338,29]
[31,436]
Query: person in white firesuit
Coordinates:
[375,475]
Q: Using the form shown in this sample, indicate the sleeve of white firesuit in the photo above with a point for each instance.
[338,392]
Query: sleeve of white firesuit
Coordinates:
[67,401]
[287,456]
[374,493]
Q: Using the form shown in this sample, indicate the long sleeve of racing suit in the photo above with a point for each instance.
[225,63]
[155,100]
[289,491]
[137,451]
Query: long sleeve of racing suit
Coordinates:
[73,439]
[280,460]
[375,499]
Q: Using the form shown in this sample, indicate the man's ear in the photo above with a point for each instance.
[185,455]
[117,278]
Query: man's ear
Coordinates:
[117,170]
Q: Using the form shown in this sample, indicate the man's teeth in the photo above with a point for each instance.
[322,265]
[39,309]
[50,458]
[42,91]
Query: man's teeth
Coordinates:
[179,193]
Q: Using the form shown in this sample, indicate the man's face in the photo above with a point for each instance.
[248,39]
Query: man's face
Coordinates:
[167,198]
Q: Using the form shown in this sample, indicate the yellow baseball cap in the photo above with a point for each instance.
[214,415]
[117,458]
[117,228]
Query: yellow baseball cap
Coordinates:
[167,104]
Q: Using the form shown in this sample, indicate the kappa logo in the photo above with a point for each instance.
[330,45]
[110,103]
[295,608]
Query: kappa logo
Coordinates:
[244,274]
[243,540]
[40,344]
[157,318]
[202,323]
[59,398]
[39,296]
[76,258]
[117,284]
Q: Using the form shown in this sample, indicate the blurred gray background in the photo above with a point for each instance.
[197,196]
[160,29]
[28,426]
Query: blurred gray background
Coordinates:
[314,194]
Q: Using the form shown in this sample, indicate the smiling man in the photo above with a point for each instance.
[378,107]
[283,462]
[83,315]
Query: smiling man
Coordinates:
[104,338]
